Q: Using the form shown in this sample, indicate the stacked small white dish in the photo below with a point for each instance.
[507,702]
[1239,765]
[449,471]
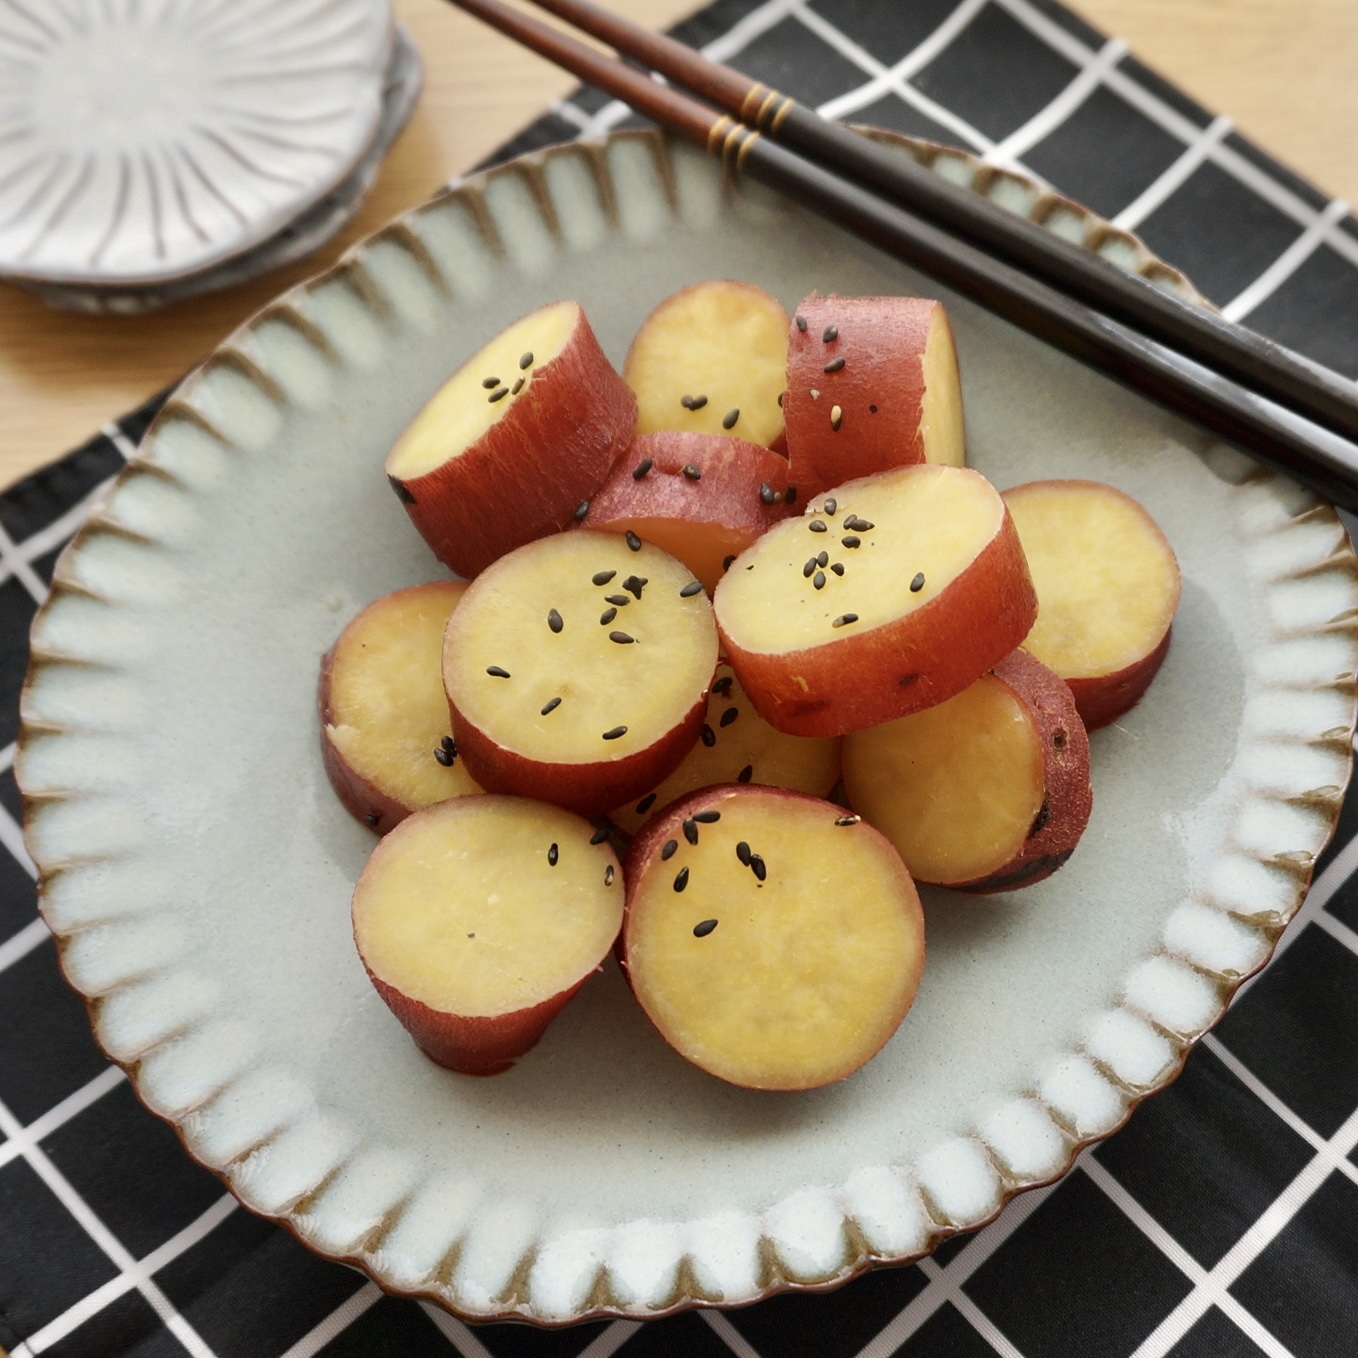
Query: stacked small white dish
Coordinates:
[151,150]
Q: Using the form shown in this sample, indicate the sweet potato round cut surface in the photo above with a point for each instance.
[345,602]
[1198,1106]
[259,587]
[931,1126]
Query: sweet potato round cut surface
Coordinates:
[738,746]
[872,383]
[1107,586]
[988,791]
[478,919]
[701,497]
[890,594]
[711,360]
[577,670]
[385,734]
[508,447]
[776,941]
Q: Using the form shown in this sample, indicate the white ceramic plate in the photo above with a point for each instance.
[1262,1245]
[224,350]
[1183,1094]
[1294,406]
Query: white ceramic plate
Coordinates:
[197,867]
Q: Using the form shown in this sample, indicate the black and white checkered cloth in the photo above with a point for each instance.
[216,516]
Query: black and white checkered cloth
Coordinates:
[1222,1222]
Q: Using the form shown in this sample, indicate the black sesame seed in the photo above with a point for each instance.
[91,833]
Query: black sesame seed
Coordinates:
[858,525]
[822,558]
[703,928]
[668,851]
[450,745]
[743,853]
[707,817]
[526,360]
[621,638]
[517,387]
[601,577]
[917,583]
[550,706]
[801,324]
[490,383]
[371,819]
[554,620]
[847,820]
[608,875]
[607,616]
[686,401]
[634,584]
[830,334]
[844,618]
[645,804]
[622,600]
[838,568]
[681,879]
[690,831]
[552,855]
[728,421]
[830,506]
[745,774]
[633,541]
[689,590]
[729,716]
[818,579]
[601,834]
[767,495]
[580,510]
[790,495]
[444,757]
[809,569]
[615,733]
[851,541]
[726,564]
[697,402]
[709,736]
[723,685]
[498,394]
[817,526]
[642,468]
[834,365]
[757,867]
[496,672]
[692,472]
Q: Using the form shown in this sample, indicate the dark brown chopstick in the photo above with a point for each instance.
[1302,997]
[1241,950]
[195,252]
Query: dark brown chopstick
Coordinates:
[1201,335]
[1313,455]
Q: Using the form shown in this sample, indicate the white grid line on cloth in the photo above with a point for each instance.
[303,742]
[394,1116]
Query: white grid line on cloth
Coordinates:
[456,1332]
[60,1114]
[61,1188]
[14,564]
[335,1323]
[938,1290]
[1046,120]
[113,432]
[1212,1291]
[49,538]
[1174,174]
[33,934]
[609,1341]
[1337,930]
[729,1335]
[89,1306]
[1286,264]
[1277,1107]
[951,1291]
[1178,1256]
[12,838]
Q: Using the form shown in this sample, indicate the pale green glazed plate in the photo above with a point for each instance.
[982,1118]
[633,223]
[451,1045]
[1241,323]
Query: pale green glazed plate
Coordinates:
[197,868]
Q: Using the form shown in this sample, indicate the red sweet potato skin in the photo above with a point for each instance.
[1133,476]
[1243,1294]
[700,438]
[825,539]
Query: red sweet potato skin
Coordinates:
[1106,698]
[879,390]
[524,478]
[1068,797]
[863,679]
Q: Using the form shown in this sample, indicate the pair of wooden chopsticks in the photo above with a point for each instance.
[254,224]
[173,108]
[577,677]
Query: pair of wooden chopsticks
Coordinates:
[1184,356]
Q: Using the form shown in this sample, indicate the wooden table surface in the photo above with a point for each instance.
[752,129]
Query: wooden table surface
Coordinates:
[1283,69]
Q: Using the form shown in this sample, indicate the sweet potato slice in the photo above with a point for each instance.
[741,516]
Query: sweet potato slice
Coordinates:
[577,670]
[872,383]
[701,497]
[711,360]
[775,941]
[1107,587]
[988,791]
[514,441]
[385,735]
[738,746]
[889,595]
[478,919]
